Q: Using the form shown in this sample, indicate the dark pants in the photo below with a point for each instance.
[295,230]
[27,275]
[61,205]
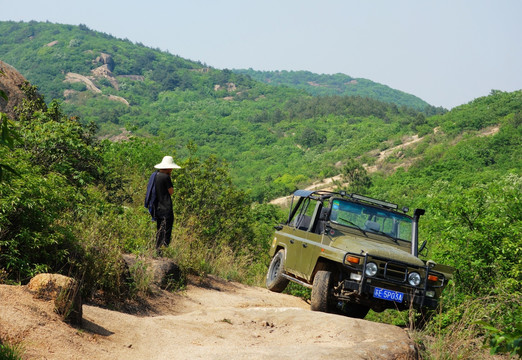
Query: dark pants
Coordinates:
[164,230]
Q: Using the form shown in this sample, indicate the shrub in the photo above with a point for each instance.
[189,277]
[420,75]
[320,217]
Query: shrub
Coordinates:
[10,352]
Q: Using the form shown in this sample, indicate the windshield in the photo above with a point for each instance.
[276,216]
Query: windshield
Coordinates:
[370,219]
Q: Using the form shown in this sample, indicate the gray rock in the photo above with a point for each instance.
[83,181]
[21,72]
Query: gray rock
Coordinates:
[162,272]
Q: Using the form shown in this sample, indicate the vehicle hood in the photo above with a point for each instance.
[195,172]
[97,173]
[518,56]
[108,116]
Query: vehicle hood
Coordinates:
[358,245]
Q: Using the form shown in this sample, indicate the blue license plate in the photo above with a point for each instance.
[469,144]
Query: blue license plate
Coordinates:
[389,295]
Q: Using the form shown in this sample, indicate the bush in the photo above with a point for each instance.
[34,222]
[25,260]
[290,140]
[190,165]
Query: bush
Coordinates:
[9,352]
[458,331]
[477,230]
[35,236]
[56,159]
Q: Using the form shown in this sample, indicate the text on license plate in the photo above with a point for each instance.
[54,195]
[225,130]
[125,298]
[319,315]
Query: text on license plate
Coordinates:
[388,295]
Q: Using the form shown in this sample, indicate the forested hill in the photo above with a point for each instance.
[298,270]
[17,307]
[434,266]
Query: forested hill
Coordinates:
[274,138]
[20,41]
[336,84]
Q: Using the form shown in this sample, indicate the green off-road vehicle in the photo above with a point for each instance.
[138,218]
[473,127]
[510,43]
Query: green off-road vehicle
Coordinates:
[355,253]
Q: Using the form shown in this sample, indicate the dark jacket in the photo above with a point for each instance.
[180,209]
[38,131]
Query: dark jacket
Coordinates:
[150,198]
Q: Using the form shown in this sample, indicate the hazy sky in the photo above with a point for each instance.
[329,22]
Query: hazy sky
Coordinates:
[446,52]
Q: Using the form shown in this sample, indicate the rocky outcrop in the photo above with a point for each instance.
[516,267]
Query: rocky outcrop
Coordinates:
[10,82]
[230,87]
[73,77]
[88,81]
[119,98]
[104,72]
[105,59]
[63,290]
[162,272]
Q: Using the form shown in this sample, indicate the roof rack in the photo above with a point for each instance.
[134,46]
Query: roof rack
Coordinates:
[321,193]
[374,201]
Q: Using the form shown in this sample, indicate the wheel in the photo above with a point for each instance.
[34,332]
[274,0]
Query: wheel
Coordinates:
[274,278]
[320,300]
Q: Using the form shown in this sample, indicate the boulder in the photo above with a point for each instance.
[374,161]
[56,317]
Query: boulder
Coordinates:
[107,60]
[104,72]
[162,272]
[63,290]
[10,82]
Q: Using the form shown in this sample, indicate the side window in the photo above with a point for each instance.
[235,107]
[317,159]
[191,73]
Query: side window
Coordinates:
[302,218]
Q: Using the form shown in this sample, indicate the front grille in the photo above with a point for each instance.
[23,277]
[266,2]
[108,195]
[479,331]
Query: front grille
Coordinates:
[394,272]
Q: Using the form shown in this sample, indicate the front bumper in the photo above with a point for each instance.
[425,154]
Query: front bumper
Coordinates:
[392,275]
[412,297]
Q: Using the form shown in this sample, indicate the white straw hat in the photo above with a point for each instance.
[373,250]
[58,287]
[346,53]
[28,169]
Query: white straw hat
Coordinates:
[167,163]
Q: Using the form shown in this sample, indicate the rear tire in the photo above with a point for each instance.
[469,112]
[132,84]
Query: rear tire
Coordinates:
[320,300]
[274,277]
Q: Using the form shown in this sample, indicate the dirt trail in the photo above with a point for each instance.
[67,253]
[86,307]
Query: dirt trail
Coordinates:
[220,320]
[329,183]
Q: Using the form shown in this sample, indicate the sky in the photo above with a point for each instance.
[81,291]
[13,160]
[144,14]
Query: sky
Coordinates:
[447,52]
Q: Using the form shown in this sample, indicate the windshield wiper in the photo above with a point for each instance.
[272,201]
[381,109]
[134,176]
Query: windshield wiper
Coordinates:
[386,234]
[353,224]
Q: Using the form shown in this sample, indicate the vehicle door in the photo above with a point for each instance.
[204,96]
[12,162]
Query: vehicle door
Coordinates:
[312,242]
[307,243]
[297,234]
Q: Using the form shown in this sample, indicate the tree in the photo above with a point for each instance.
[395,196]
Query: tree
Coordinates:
[310,138]
[206,200]
[356,176]
[7,138]
[56,161]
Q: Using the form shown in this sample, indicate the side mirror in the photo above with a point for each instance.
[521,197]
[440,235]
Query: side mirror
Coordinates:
[423,246]
[327,227]
[278,227]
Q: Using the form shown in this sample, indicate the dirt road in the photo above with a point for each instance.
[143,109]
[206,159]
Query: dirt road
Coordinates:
[214,320]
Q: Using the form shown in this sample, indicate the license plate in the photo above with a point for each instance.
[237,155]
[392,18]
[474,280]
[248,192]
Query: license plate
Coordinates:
[389,295]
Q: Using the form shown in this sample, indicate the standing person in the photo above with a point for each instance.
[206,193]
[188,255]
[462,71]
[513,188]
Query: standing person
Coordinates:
[160,185]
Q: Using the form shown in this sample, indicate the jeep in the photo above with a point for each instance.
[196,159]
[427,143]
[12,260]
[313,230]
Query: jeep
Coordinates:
[355,253]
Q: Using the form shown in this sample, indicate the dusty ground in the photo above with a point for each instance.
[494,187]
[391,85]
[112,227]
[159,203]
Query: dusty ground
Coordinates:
[214,320]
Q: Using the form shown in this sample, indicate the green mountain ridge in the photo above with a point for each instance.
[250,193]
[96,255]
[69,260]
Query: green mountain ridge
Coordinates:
[336,84]
[77,49]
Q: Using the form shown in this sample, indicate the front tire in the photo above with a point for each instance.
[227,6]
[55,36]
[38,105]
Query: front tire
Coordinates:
[274,278]
[320,300]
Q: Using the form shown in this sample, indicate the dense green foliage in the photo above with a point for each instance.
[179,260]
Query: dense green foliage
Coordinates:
[56,156]
[75,205]
[339,84]
[274,138]
[8,352]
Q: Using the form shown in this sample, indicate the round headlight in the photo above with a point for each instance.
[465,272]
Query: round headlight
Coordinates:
[371,269]
[414,279]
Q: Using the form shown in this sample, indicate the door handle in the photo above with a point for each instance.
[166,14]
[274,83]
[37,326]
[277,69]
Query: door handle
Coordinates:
[305,245]
[291,241]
